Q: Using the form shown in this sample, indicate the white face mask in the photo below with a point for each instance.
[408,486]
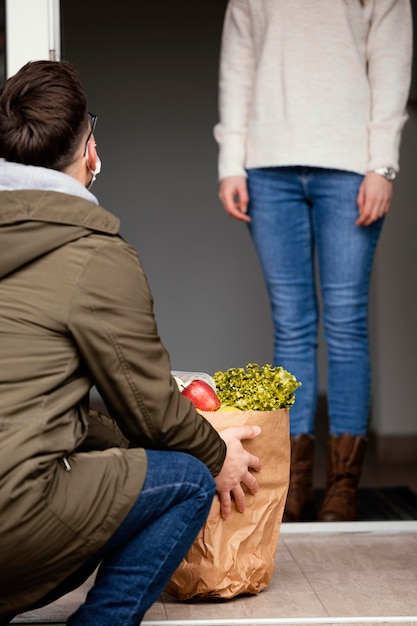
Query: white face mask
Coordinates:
[94,172]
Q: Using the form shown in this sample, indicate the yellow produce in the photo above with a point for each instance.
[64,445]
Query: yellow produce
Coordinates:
[227,408]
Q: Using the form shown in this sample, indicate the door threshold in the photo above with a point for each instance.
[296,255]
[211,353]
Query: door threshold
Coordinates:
[380,527]
[287,621]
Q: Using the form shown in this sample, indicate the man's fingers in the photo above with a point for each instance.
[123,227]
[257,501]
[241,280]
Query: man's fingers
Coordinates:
[239,498]
[225,503]
[255,463]
[239,432]
[251,483]
[235,473]
[250,432]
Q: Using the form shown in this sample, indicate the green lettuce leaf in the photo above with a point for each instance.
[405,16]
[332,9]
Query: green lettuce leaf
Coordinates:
[256,388]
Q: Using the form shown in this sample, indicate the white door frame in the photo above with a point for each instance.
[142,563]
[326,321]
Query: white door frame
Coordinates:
[32,32]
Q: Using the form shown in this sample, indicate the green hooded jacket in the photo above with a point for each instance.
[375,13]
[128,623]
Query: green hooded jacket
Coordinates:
[76,311]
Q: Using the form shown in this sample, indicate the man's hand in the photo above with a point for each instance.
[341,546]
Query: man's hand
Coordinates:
[233,194]
[374,198]
[235,469]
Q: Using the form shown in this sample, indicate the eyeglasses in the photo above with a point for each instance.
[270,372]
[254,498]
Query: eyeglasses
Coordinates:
[93,122]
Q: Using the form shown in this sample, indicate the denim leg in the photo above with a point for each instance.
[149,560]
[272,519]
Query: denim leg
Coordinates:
[345,256]
[140,558]
[281,229]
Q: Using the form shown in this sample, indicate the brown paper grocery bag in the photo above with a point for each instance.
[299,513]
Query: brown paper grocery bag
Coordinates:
[237,555]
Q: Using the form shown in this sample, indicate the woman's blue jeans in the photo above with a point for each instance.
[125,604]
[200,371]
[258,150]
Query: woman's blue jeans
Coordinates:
[140,558]
[300,214]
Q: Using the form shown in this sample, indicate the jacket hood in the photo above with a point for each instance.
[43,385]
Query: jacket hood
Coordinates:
[41,210]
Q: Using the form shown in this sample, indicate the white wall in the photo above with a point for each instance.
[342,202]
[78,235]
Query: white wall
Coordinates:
[32,28]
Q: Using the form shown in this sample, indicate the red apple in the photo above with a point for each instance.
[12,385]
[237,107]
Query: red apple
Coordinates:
[202,395]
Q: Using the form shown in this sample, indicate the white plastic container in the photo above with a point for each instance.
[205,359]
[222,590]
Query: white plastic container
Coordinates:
[185,378]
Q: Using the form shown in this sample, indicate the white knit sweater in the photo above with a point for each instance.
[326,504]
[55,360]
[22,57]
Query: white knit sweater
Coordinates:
[313,82]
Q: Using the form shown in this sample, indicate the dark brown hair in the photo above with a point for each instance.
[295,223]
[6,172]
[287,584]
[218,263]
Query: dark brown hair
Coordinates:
[43,115]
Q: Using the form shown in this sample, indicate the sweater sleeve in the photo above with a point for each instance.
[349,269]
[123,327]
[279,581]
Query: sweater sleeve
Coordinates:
[236,76]
[389,53]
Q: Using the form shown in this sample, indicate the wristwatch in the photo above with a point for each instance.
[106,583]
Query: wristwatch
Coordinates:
[387,172]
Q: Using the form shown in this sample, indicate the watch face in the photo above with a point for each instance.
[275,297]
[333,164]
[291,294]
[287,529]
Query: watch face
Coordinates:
[390,173]
[387,172]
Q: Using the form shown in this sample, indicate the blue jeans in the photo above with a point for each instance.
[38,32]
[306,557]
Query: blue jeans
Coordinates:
[140,558]
[300,214]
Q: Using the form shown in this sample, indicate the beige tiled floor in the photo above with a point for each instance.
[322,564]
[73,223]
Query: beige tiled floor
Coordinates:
[360,576]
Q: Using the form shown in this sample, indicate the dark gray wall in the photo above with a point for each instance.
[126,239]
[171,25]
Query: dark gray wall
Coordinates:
[394,304]
[151,76]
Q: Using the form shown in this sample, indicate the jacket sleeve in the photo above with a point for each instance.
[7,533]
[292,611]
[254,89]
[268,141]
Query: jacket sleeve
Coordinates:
[236,76]
[389,54]
[112,322]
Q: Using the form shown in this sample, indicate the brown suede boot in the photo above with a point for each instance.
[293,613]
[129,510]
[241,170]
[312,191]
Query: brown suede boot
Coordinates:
[299,506]
[344,465]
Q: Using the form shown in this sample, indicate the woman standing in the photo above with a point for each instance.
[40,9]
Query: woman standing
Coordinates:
[312,99]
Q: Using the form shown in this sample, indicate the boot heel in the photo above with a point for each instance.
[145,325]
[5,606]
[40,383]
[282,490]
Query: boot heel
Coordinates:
[299,506]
